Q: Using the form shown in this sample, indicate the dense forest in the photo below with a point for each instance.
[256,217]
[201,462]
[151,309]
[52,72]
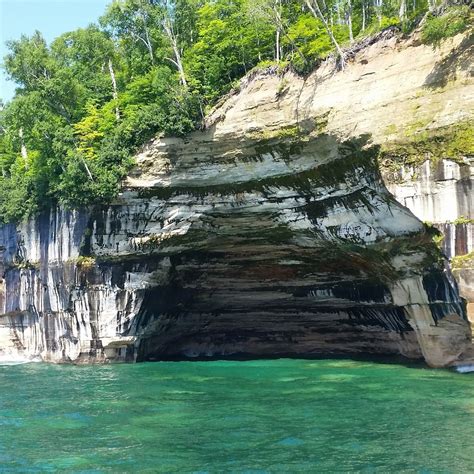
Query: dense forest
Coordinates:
[88,100]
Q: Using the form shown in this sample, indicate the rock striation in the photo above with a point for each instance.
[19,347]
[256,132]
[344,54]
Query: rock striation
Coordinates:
[442,194]
[269,233]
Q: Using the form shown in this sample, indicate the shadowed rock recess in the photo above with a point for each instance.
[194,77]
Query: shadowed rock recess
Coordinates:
[269,233]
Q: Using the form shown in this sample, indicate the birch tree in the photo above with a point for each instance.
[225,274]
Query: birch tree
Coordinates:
[378,5]
[271,11]
[114,88]
[168,24]
[315,9]
[143,21]
[131,19]
[91,55]
[402,11]
[349,20]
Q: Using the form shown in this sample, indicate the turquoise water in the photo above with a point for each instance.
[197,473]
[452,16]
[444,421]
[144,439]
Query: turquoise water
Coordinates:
[255,417]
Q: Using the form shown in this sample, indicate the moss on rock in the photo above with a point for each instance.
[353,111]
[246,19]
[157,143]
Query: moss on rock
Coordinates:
[463,261]
[454,142]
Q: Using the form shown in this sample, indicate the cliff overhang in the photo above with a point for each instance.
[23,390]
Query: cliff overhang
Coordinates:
[269,233]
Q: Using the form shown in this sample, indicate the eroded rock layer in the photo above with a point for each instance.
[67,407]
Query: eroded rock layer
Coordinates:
[269,233]
[442,194]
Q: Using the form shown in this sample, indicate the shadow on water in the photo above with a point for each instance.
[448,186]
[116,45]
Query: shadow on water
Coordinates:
[374,358]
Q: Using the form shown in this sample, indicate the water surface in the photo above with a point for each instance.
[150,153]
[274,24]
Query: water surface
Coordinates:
[254,417]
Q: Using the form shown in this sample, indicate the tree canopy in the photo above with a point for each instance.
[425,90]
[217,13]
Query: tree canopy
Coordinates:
[88,100]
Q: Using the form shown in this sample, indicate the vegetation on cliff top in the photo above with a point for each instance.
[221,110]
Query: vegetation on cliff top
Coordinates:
[88,100]
[439,27]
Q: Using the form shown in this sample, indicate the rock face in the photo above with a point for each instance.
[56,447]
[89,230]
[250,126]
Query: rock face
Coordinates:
[443,194]
[434,163]
[269,233]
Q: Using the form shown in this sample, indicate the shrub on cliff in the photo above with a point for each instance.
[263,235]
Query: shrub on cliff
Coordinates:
[437,28]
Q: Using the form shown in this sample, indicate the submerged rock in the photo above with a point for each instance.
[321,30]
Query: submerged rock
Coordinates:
[269,233]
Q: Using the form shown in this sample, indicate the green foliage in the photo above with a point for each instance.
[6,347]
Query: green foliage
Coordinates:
[376,25]
[86,53]
[312,40]
[436,28]
[463,220]
[463,261]
[86,102]
[228,46]
[29,62]
[434,234]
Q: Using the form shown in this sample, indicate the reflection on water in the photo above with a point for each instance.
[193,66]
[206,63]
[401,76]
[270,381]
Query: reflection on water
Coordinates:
[254,416]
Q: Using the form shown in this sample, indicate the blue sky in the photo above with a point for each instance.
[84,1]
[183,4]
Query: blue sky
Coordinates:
[51,17]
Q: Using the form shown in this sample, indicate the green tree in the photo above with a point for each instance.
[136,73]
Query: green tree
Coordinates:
[227,46]
[91,56]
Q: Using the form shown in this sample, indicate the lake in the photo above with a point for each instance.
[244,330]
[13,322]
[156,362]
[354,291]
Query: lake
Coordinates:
[262,416]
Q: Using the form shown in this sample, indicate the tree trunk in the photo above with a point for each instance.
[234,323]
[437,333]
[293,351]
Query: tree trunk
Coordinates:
[349,21]
[258,47]
[114,89]
[242,49]
[147,40]
[363,16]
[281,28]
[403,10]
[378,9]
[87,169]
[279,25]
[277,45]
[177,55]
[24,151]
[349,24]
[316,11]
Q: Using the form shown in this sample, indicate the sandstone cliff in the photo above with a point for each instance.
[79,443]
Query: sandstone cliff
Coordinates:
[271,232]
